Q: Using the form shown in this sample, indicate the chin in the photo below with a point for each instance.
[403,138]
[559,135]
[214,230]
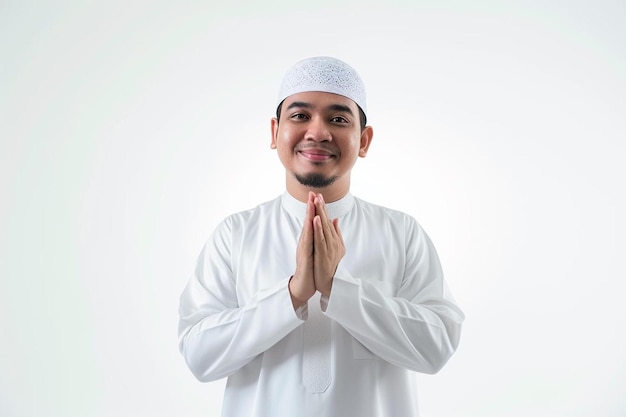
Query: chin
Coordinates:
[315,180]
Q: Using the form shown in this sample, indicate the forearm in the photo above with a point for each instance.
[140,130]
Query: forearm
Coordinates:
[215,344]
[417,336]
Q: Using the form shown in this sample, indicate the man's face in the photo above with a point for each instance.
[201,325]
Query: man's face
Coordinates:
[319,138]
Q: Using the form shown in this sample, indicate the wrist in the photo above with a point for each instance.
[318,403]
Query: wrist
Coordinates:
[298,300]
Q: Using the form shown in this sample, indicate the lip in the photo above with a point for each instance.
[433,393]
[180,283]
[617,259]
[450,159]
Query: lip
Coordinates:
[316,155]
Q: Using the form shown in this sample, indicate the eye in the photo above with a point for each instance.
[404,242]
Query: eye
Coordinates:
[339,119]
[299,116]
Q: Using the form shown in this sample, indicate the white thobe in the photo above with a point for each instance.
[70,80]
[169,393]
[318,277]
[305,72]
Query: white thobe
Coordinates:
[389,314]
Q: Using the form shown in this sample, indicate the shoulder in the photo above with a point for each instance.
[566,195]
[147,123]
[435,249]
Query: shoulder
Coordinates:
[231,228]
[245,217]
[400,222]
[380,212]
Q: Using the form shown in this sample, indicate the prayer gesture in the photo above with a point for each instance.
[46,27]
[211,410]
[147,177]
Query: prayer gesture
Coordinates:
[319,251]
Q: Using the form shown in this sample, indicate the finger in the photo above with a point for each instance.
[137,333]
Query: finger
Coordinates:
[310,206]
[307,231]
[320,207]
[306,236]
[320,239]
[323,213]
[337,230]
[310,213]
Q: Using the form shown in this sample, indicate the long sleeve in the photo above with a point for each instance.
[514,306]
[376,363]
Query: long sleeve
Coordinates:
[388,315]
[217,335]
[412,322]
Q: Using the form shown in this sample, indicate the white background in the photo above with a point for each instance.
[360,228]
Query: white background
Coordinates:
[130,128]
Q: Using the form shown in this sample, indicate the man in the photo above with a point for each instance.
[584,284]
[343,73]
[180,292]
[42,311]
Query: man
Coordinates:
[318,303]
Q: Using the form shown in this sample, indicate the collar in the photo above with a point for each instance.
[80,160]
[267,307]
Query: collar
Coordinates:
[336,209]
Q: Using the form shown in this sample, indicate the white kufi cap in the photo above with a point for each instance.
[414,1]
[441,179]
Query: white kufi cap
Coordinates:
[325,74]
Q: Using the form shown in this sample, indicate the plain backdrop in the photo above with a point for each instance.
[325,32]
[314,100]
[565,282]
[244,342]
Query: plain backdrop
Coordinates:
[129,129]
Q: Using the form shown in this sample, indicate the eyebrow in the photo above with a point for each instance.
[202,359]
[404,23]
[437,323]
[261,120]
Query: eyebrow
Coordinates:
[334,107]
[341,108]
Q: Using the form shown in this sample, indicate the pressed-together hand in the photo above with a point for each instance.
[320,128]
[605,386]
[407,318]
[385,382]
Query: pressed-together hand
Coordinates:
[302,283]
[319,251]
[328,247]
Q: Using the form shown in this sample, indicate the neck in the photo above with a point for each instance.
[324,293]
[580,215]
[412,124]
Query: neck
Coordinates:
[334,192]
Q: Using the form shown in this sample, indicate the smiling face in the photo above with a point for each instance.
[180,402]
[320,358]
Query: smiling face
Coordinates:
[318,140]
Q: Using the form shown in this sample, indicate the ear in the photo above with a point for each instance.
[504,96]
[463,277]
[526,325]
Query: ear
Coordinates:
[274,132]
[366,139]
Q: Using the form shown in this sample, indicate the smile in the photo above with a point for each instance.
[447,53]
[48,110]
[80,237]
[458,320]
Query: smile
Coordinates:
[316,155]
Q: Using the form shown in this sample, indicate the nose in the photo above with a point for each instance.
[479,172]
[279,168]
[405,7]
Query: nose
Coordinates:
[318,131]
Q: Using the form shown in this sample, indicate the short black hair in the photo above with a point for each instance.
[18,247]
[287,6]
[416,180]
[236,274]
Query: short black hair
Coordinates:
[362,117]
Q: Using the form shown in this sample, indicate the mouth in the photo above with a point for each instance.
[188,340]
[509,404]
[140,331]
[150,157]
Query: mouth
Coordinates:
[316,154]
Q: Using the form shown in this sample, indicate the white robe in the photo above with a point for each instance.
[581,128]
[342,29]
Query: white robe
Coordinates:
[389,313]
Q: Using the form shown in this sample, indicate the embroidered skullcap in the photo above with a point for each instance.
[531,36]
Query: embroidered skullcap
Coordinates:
[326,74]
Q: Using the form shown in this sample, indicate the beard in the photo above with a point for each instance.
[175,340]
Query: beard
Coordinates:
[315,180]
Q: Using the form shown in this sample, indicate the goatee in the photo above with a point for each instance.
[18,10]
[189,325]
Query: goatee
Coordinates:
[315,180]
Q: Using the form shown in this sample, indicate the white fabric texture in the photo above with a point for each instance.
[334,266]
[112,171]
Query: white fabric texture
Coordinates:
[389,313]
[316,348]
[324,74]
